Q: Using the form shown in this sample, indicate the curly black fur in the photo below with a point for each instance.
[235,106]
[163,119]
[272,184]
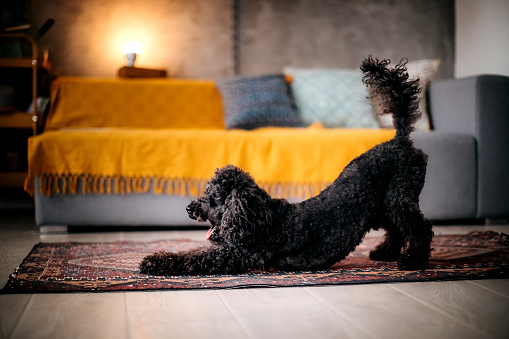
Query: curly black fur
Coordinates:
[391,92]
[379,189]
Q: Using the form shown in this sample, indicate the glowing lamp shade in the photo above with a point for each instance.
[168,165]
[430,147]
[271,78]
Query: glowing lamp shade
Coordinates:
[131,49]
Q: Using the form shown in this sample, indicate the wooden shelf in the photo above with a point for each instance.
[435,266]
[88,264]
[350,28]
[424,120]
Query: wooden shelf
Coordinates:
[24,63]
[16,62]
[136,72]
[15,119]
[11,118]
[12,179]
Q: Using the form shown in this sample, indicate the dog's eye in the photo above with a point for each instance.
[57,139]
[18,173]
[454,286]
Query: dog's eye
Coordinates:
[214,200]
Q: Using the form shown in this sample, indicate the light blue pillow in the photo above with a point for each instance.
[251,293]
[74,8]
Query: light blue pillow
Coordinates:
[333,97]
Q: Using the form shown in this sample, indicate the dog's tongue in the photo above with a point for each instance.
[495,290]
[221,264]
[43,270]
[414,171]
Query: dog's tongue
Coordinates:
[209,233]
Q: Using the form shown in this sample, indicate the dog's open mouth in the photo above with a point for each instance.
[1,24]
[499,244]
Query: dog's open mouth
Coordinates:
[210,232]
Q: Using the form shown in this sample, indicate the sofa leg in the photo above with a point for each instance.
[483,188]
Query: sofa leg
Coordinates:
[490,221]
[53,229]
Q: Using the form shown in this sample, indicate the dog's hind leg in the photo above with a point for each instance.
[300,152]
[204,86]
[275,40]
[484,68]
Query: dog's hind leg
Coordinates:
[403,211]
[417,234]
[390,248]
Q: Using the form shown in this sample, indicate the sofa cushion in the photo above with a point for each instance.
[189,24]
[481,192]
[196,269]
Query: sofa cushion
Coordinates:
[254,102]
[334,97]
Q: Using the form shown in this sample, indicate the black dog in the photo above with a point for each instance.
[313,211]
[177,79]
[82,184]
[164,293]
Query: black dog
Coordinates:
[380,188]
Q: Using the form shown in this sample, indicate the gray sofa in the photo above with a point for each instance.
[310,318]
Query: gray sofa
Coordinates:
[468,149]
[467,176]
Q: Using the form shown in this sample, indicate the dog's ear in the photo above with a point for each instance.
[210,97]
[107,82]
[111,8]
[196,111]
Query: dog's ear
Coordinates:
[246,217]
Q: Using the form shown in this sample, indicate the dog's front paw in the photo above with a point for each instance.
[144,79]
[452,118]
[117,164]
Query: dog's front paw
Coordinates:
[160,263]
[147,265]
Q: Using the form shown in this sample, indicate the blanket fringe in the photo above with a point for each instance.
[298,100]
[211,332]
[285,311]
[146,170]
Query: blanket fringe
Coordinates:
[120,185]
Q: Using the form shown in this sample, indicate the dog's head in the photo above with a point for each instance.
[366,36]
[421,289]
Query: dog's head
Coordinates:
[236,207]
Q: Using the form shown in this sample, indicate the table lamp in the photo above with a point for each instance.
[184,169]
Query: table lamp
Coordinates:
[131,49]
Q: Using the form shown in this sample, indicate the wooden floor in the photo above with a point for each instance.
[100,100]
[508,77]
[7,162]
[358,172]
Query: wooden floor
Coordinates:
[462,309]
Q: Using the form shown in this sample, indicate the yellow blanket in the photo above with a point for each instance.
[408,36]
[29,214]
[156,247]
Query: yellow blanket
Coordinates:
[286,162]
[78,102]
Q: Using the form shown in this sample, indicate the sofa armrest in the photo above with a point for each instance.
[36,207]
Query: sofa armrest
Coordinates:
[479,106]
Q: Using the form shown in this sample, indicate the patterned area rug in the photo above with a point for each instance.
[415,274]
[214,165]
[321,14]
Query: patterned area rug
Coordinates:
[102,267]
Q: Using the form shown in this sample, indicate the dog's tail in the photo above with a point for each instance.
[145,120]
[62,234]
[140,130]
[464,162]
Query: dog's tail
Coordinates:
[391,92]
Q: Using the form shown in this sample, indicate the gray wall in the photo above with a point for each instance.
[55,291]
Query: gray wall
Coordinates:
[189,38]
[341,33]
[193,38]
[482,37]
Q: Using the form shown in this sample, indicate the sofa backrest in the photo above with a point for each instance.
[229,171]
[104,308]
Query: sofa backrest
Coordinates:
[78,102]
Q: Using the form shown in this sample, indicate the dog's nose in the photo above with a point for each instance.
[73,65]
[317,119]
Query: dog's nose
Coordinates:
[190,211]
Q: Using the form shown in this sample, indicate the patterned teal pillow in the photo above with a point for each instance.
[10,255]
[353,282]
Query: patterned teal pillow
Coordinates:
[334,97]
[253,102]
